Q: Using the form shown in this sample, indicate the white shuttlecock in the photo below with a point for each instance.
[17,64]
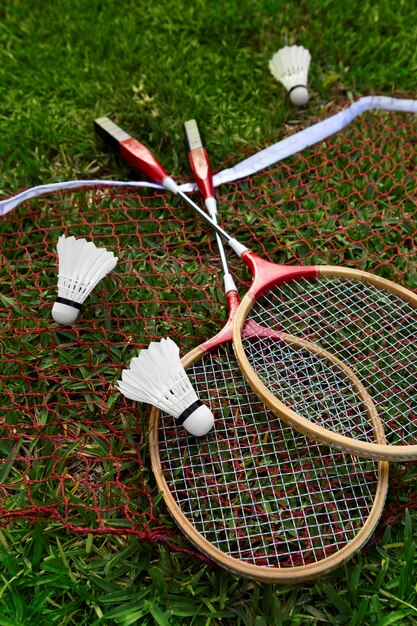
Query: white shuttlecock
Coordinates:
[157,377]
[81,265]
[290,67]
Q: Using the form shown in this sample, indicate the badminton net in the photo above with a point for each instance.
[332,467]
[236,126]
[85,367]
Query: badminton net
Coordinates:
[72,450]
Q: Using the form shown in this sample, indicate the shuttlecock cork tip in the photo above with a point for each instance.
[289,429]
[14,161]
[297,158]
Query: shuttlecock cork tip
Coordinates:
[64,314]
[200,422]
[299,95]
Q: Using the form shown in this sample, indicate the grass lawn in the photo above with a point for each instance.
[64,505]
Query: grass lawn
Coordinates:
[150,66]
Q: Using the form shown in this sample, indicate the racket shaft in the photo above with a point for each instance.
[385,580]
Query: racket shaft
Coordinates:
[219,230]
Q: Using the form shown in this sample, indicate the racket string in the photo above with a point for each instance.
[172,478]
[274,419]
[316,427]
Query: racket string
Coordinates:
[255,488]
[371,330]
[312,386]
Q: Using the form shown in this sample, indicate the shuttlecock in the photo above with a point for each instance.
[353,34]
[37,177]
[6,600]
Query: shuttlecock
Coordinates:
[81,265]
[290,67]
[157,377]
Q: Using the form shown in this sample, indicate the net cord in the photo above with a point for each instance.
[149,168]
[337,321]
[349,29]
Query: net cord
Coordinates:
[273,154]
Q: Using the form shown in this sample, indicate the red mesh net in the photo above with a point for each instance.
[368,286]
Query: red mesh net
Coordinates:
[71,448]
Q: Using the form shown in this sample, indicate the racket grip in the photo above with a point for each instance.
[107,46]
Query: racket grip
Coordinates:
[142,159]
[134,152]
[211,206]
[201,168]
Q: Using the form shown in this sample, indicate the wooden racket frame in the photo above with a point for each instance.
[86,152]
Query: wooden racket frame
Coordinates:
[379,450]
[262,574]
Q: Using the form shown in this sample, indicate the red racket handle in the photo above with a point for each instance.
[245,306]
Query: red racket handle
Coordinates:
[142,159]
[200,166]
[134,152]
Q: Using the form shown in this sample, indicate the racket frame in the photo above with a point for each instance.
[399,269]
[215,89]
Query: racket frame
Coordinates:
[264,277]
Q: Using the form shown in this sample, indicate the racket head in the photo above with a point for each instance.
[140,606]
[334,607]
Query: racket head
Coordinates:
[368,322]
[255,496]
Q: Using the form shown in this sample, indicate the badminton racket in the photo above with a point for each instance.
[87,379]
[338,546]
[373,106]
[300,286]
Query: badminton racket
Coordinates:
[254,495]
[342,316]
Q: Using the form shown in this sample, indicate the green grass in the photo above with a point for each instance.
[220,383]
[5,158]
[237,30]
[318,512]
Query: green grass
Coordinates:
[49,577]
[150,66]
